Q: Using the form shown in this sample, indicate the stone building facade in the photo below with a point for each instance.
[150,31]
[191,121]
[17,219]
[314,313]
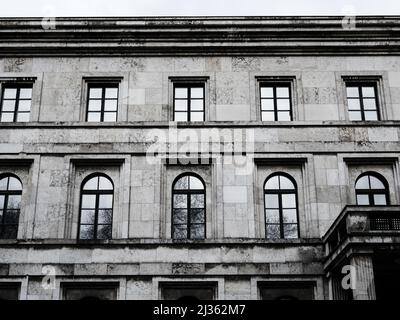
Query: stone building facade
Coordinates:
[313,190]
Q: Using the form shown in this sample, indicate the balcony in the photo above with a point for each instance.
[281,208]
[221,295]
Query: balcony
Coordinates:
[362,228]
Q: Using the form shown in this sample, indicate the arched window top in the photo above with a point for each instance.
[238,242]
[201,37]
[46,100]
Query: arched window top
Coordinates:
[98,182]
[279,181]
[370,181]
[10,183]
[188,182]
[372,189]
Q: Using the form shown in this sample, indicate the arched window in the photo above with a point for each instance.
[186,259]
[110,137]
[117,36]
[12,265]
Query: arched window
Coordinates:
[372,190]
[280,196]
[96,208]
[10,206]
[188,208]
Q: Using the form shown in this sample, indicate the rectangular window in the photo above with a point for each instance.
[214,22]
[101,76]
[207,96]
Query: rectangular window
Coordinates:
[362,101]
[276,102]
[102,105]
[16,103]
[189,102]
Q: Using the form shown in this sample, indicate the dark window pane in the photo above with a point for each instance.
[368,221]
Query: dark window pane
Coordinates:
[11,216]
[179,232]
[105,216]
[289,215]
[197,231]
[180,201]
[197,200]
[104,231]
[14,202]
[86,232]
[180,216]
[105,201]
[182,183]
[272,216]
[197,216]
[273,231]
[87,216]
[290,231]
[10,232]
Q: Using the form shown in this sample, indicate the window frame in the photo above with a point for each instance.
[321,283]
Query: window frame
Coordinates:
[6,193]
[189,86]
[102,85]
[372,192]
[188,208]
[96,213]
[274,85]
[280,192]
[359,85]
[18,86]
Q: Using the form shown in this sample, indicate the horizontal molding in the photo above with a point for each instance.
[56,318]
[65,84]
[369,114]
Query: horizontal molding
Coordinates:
[280,161]
[97,161]
[370,160]
[16,162]
[204,36]
[199,125]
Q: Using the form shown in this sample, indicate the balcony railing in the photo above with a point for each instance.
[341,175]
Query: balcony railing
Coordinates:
[362,221]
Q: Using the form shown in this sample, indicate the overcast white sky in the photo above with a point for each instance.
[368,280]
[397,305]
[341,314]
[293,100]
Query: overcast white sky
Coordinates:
[40,8]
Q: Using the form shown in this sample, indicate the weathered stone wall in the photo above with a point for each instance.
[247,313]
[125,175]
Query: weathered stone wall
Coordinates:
[313,149]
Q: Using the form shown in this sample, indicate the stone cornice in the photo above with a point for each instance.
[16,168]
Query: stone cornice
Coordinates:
[180,36]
